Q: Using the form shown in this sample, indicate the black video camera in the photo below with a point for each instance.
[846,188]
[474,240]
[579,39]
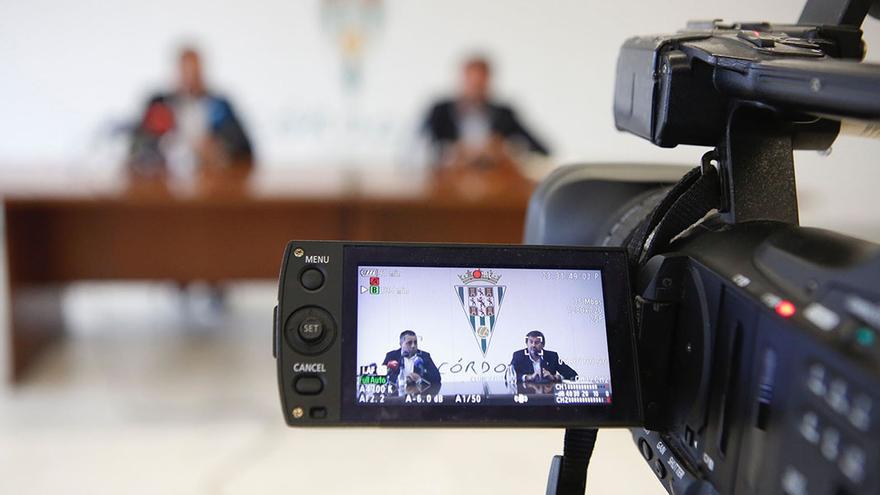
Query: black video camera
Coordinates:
[757,338]
[742,348]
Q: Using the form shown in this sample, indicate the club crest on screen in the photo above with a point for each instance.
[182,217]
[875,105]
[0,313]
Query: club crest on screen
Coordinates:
[481,304]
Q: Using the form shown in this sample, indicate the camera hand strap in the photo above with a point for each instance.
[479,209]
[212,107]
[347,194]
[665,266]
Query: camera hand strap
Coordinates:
[568,472]
[697,193]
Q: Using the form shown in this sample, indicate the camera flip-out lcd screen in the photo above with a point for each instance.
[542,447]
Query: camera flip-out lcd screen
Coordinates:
[456,335]
[476,336]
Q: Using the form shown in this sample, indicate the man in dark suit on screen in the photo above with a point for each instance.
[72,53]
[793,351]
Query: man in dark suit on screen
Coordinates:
[536,364]
[417,366]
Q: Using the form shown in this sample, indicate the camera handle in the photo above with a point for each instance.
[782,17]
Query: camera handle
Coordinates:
[568,472]
[756,164]
[749,176]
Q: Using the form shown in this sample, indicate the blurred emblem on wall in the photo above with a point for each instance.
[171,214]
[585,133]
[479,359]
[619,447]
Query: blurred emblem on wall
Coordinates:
[352,25]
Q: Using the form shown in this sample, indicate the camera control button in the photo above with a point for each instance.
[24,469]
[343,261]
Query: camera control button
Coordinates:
[645,449]
[275,332]
[865,337]
[809,427]
[760,40]
[794,482]
[311,329]
[860,414]
[822,317]
[852,464]
[312,279]
[659,469]
[308,385]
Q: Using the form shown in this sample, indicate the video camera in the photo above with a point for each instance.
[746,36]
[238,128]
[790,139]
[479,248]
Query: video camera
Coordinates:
[742,348]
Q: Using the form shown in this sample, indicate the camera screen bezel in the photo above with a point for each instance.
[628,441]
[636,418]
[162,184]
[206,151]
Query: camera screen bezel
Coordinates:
[625,409]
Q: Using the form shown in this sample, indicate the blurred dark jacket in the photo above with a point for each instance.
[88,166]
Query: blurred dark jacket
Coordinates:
[441,125]
[158,119]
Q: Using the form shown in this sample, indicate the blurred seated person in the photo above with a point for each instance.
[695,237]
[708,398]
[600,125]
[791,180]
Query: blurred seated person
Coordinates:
[190,129]
[474,131]
[191,132]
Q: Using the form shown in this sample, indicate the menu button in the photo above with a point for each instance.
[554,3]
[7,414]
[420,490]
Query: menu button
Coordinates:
[312,279]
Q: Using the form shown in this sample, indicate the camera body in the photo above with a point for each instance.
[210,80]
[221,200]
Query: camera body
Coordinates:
[768,335]
[763,333]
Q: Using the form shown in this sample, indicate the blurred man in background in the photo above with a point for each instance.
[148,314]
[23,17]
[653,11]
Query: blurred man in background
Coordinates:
[190,128]
[473,130]
[186,134]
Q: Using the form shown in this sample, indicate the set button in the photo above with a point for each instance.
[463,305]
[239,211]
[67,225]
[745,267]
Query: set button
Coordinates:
[310,330]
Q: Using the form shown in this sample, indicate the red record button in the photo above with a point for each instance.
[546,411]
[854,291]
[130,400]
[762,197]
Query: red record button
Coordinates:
[785,309]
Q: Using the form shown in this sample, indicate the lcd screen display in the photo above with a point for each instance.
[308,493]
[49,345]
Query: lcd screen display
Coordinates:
[461,336]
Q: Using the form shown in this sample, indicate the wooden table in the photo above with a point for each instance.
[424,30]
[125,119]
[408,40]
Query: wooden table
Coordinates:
[64,227]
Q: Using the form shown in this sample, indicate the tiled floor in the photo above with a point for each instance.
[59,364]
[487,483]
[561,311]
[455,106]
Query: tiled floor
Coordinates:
[148,396]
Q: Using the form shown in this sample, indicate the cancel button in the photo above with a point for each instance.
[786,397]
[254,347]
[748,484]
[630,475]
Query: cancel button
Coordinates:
[308,385]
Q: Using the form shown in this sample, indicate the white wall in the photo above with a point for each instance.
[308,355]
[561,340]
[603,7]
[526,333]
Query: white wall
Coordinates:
[69,69]
[426,301]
